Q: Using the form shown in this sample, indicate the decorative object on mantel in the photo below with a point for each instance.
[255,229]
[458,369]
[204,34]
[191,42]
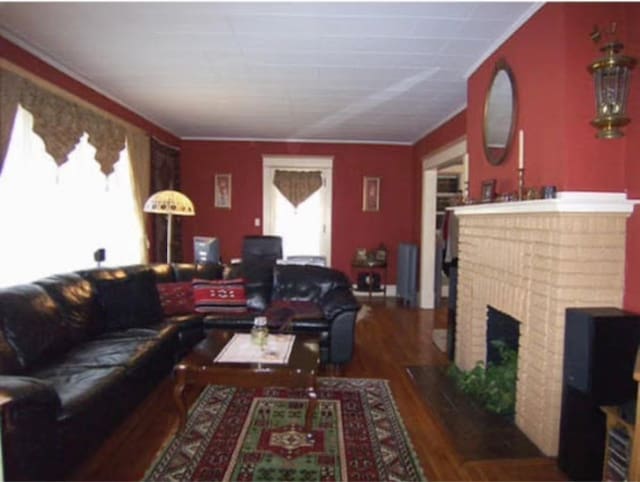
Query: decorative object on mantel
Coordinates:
[532,193]
[520,164]
[488,190]
[548,192]
[170,203]
[611,77]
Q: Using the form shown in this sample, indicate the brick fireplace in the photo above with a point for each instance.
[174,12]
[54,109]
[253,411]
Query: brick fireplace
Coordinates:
[531,260]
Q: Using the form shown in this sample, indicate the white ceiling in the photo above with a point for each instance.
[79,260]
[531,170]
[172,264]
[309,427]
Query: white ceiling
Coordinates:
[372,72]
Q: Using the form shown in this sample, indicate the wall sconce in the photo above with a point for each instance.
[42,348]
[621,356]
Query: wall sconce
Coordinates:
[611,76]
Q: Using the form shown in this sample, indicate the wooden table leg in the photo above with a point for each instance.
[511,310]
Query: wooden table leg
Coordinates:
[178,390]
[311,407]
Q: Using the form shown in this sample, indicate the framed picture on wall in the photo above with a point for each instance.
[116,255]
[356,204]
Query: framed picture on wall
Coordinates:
[222,191]
[371,194]
[488,190]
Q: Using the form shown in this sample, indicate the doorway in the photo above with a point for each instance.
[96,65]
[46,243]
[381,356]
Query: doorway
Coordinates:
[305,229]
[453,154]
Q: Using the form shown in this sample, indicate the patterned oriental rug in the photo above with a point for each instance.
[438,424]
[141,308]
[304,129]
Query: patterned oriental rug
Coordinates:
[241,434]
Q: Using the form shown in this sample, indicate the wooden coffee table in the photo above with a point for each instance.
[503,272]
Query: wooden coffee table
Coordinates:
[198,368]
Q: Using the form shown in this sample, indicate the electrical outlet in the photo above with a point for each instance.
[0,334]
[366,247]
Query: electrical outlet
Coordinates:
[256,222]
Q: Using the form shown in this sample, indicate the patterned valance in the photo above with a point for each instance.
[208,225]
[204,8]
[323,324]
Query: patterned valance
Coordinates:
[58,121]
[297,186]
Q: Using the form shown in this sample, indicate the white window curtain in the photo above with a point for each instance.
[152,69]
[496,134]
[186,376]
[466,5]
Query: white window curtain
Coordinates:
[54,217]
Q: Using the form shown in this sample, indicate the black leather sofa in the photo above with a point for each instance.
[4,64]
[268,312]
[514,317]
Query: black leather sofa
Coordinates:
[79,351]
[267,283]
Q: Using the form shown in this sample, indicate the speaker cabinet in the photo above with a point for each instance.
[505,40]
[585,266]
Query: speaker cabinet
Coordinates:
[600,347]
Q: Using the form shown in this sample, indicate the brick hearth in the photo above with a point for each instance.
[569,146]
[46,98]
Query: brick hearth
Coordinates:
[532,260]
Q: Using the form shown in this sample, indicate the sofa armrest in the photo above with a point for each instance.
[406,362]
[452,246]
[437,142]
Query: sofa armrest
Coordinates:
[338,301]
[29,408]
[21,393]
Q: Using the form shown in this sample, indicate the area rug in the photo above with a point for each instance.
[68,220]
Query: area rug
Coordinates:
[257,434]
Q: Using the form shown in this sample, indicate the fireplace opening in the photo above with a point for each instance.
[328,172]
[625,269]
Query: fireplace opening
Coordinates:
[493,383]
[500,328]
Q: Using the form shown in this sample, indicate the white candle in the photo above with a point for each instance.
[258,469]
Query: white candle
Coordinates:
[521,149]
[465,168]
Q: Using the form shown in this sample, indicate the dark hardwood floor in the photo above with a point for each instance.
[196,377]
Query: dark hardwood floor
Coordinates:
[388,341]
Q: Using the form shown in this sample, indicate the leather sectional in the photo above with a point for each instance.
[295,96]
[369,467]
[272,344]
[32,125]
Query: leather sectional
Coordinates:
[79,351]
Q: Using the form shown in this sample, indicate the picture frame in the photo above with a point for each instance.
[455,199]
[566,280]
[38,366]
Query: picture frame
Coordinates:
[222,191]
[488,190]
[371,194]
[361,254]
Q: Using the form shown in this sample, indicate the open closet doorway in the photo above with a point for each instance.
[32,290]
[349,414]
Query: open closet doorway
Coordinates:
[447,159]
[300,214]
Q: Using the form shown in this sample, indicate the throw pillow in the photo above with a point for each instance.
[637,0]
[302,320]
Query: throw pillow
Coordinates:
[130,302]
[176,298]
[225,295]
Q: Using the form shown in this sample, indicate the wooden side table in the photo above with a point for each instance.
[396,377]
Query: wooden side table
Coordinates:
[370,267]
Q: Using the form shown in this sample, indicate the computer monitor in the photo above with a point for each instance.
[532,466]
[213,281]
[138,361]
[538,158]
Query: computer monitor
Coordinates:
[206,250]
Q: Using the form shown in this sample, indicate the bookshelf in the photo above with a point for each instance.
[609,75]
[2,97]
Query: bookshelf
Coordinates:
[622,455]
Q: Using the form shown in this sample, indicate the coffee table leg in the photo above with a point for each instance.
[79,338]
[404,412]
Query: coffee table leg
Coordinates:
[311,408]
[178,390]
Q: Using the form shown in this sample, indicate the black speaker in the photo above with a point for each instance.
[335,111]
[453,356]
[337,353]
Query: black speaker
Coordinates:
[600,347]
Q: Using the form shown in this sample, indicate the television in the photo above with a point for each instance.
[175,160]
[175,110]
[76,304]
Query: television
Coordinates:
[206,250]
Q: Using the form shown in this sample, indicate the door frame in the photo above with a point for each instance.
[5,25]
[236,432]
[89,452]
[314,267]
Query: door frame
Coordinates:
[430,164]
[322,163]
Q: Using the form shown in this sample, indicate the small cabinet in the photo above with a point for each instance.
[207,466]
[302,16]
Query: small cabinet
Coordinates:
[618,445]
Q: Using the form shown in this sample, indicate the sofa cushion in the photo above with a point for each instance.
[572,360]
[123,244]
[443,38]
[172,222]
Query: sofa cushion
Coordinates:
[79,386]
[258,277]
[219,296]
[129,302]
[75,296]
[189,271]
[32,326]
[163,272]
[306,282]
[108,352]
[176,298]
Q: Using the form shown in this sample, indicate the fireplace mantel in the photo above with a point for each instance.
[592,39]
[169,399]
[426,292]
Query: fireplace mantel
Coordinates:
[565,202]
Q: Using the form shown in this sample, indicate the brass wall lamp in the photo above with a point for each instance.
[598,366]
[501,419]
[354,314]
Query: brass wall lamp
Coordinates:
[611,77]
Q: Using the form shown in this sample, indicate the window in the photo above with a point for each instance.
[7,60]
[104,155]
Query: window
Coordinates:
[54,218]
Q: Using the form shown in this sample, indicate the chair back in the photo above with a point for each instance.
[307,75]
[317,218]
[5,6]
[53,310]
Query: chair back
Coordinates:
[264,248]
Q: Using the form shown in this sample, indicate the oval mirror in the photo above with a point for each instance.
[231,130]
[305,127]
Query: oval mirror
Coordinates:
[499,114]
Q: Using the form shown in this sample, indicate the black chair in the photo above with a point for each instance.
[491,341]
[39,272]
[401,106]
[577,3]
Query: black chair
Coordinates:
[261,248]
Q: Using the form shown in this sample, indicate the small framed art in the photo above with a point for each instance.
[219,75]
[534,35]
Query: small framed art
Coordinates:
[222,191]
[371,194]
[488,190]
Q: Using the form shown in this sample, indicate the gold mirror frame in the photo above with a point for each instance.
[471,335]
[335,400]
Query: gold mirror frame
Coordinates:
[501,68]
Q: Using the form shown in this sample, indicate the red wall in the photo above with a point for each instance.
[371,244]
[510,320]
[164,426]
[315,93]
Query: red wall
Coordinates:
[27,61]
[549,55]
[533,53]
[352,228]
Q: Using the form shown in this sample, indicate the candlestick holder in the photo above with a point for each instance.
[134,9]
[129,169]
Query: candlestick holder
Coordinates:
[520,183]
